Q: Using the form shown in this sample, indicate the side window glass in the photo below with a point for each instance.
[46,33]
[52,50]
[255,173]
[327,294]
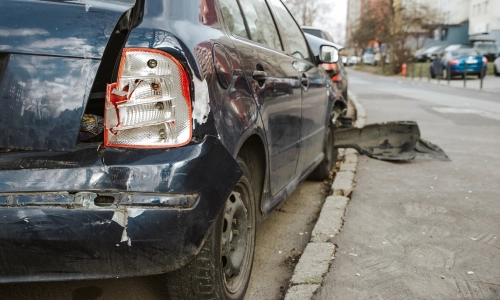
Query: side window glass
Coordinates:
[260,23]
[234,20]
[298,45]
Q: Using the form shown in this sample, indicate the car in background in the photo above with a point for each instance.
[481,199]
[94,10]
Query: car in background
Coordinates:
[336,71]
[160,146]
[457,62]
[496,66]
[353,60]
[377,59]
[344,59]
[368,57]
[436,52]
[428,54]
[419,55]
[318,32]
[489,49]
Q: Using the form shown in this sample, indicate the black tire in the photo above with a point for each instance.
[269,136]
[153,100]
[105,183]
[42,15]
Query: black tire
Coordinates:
[222,268]
[432,73]
[323,170]
[496,71]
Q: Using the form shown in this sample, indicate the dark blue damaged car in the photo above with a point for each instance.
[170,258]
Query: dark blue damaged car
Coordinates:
[148,137]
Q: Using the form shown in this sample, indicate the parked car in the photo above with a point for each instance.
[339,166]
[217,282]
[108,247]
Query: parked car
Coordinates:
[377,59]
[336,71]
[496,66]
[154,137]
[353,60]
[368,58]
[318,32]
[428,54]
[454,63]
[489,49]
[419,55]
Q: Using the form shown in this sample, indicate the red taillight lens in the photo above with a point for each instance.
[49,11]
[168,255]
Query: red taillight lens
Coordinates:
[336,78]
[150,105]
[485,60]
[454,62]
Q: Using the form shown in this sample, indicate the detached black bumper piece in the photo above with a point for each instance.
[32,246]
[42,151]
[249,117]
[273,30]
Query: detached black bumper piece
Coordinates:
[68,215]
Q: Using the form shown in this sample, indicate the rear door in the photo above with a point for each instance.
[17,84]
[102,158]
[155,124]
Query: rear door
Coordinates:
[313,91]
[274,80]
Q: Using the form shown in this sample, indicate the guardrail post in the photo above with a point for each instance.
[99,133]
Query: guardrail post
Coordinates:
[420,72]
[438,70]
[465,74]
[428,72]
[481,77]
[448,67]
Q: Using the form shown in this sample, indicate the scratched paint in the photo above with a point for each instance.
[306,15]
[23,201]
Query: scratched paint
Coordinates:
[201,107]
[121,216]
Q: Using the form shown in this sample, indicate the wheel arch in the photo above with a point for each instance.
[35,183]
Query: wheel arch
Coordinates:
[253,153]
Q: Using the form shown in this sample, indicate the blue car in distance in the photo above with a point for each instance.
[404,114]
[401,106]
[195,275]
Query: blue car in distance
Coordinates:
[457,61]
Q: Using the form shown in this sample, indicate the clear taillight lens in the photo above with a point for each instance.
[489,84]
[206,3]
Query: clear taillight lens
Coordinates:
[149,106]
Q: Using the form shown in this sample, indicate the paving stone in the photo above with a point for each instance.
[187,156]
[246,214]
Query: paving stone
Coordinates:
[351,150]
[343,183]
[330,219]
[349,167]
[313,263]
[301,292]
[351,158]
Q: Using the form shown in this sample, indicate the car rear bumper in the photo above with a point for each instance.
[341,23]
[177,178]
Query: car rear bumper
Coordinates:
[141,212]
[470,69]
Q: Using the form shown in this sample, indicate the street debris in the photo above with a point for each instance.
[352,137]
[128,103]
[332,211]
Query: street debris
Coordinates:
[470,273]
[391,141]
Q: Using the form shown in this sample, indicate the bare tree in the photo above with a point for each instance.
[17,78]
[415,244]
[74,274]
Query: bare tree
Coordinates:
[395,24]
[306,12]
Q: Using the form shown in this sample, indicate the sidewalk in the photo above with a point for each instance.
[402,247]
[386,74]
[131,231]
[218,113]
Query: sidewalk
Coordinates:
[424,229]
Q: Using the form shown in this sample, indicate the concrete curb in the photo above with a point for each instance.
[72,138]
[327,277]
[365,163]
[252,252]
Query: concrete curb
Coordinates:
[314,263]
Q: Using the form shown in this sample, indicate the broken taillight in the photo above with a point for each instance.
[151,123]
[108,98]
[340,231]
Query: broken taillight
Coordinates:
[149,106]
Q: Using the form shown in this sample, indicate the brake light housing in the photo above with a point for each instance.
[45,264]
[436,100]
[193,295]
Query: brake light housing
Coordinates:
[150,105]
[454,62]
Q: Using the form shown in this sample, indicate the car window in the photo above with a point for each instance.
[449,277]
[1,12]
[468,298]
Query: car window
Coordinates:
[260,23]
[298,45]
[328,37]
[314,32]
[233,17]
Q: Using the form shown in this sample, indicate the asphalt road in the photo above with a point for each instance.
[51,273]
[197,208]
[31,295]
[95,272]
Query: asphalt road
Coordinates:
[425,229]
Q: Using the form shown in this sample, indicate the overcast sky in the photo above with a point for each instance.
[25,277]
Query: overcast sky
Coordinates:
[333,19]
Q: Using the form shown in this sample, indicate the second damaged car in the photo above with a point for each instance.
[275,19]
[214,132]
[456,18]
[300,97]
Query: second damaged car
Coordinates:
[149,137]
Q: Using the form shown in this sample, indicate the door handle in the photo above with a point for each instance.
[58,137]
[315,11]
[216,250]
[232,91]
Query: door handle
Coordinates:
[259,75]
[304,80]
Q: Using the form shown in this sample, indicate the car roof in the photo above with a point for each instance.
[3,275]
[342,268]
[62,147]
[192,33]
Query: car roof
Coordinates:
[319,41]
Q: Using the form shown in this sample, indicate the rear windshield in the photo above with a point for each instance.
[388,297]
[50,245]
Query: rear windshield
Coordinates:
[463,52]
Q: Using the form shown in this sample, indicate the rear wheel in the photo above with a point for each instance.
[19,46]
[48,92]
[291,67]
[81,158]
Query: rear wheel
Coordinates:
[222,268]
[323,170]
[496,71]
[432,72]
